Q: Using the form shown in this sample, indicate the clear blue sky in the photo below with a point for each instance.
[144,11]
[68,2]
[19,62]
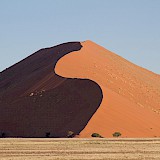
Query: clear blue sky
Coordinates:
[130,28]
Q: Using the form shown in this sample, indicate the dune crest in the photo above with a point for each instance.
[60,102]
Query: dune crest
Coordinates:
[131,94]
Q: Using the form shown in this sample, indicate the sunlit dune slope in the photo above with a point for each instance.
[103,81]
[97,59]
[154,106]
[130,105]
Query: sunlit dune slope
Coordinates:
[131,94]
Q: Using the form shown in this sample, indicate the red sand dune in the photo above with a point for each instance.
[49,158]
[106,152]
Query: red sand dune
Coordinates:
[131,94]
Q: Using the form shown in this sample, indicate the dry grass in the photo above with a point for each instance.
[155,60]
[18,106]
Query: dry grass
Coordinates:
[76,149]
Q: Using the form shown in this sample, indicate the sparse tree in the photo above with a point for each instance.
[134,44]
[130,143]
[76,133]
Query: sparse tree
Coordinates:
[3,135]
[48,134]
[70,134]
[96,135]
[116,134]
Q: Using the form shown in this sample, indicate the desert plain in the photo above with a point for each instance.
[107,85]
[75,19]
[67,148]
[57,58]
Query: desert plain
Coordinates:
[80,149]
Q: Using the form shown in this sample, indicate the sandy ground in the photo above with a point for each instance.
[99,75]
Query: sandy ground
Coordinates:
[131,94]
[76,149]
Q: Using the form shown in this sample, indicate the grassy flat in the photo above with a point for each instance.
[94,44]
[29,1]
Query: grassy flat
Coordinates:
[76,149]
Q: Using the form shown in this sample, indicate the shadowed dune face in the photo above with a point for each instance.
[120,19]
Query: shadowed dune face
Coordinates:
[131,94]
[35,101]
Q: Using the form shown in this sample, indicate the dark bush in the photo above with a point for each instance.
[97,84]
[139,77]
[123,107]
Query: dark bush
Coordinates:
[70,134]
[116,134]
[96,135]
[48,134]
[2,135]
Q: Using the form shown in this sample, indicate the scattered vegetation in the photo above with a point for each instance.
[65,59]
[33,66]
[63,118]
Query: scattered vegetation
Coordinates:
[70,134]
[116,134]
[96,135]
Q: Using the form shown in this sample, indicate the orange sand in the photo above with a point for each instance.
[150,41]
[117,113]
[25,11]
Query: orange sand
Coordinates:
[131,94]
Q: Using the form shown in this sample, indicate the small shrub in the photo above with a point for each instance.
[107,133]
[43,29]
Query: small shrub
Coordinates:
[116,134]
[2,135]
[96,135]
[70,134]
[48,134]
